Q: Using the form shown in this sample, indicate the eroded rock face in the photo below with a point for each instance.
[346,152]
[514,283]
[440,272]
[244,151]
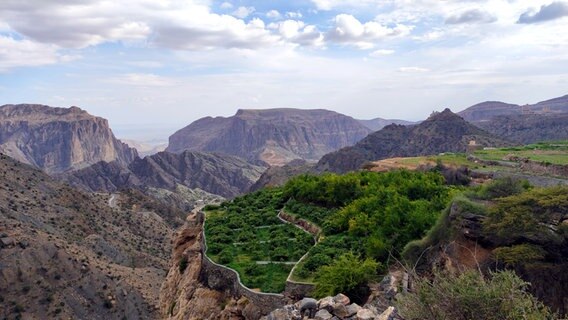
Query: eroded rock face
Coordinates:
[218,174]
[182,296]
[58,139]
[272,136]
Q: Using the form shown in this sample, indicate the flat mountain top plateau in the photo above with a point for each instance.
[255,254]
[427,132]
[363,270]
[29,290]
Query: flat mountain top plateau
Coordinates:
[271,136]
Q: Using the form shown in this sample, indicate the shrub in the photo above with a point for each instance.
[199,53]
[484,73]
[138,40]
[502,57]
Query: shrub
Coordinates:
[470,295]
[519,254]
[503,187]
[344,275]
[182,264]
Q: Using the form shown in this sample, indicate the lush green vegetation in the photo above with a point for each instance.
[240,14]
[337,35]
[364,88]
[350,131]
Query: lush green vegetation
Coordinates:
[246,235]
[470,295]
[372,215]
[344,275]
[366,214]
[547,152]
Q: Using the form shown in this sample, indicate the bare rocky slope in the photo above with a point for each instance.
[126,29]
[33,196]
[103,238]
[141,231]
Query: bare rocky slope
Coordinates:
[58,139]
[71,255]
[441,132]
[218,174]
[271,136]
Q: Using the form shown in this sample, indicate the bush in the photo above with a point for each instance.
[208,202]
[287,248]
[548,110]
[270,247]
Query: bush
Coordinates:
[470,295]
[519,254]
[344,275]
[503,187]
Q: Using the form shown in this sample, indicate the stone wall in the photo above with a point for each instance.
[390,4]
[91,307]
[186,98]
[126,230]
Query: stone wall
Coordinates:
[545,169]
[222,278]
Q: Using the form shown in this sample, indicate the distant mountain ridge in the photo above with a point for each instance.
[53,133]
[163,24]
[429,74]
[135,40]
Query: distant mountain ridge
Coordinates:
[485,111]
[271,136]
[543,121]
[218,174]
[379,123]
[441,132]
[58,139]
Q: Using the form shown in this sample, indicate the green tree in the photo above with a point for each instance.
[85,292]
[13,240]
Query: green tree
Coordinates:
[344,275]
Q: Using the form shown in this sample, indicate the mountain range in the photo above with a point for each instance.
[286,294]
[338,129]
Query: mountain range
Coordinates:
[441,132]
[222,175]
[272,136]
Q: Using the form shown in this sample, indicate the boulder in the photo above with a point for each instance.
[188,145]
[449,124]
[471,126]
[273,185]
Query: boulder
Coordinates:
[340,310]
[341,298]
[365,314]
[352,309]
[323,314]
[326,303]
[389,314]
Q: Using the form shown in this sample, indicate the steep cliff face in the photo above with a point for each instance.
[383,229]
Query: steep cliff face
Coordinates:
[58,139]
[184,294]
[442,132]
[222,175]
[67,254]
[272,136]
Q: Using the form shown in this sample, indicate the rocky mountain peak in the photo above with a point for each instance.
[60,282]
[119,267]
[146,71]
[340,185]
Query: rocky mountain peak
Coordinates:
[442,132]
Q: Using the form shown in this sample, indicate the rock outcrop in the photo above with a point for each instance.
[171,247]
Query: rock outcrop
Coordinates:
[337,308]
[218,174]
[184,294]
[442,132]
[272,136]
[58,139]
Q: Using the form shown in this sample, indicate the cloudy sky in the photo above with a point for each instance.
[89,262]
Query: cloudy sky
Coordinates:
[169,62]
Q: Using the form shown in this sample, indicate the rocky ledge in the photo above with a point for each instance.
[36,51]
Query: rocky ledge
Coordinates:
[331,308]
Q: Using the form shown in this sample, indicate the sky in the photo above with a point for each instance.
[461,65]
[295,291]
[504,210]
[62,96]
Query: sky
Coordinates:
[153,66]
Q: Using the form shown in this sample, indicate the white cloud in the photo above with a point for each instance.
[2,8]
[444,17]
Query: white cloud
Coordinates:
[243,12]
[381,53]
[294,14]
[25,53]
[174,24]
[299,33]
[332,4]
[413,69]
[226,5]
[273,14]
[348,30]
[143,79]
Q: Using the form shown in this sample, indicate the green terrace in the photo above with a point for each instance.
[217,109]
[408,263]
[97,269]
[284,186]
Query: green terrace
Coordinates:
[369,215]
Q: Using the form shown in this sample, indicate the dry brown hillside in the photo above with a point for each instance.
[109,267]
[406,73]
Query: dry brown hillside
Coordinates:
[72,255]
